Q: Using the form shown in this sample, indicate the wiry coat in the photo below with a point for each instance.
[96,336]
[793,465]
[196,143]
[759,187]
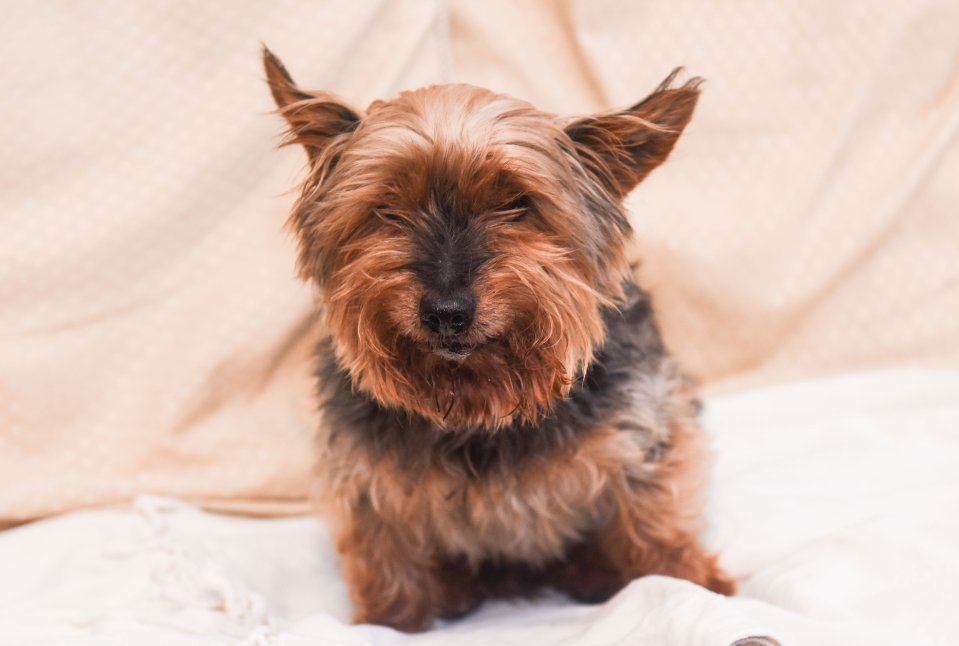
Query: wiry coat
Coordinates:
[553,441]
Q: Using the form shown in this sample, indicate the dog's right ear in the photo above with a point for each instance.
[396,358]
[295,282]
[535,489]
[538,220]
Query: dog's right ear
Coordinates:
[315,119]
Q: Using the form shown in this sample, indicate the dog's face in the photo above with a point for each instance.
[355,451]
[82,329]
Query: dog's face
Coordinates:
[464,242]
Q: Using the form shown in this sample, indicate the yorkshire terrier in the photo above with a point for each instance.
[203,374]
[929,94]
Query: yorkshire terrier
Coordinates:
[500,413]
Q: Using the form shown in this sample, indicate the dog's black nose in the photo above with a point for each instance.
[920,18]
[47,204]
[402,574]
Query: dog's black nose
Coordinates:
[447,315]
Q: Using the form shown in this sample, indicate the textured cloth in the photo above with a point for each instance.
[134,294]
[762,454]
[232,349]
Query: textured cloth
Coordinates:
[153,336]
[829,549]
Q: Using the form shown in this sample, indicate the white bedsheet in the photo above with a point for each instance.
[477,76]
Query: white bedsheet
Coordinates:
[836,504]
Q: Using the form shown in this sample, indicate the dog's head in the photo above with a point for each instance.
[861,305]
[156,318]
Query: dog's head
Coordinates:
[464,242]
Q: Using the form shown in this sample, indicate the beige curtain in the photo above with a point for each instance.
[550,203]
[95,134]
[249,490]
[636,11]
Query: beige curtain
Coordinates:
[153,336]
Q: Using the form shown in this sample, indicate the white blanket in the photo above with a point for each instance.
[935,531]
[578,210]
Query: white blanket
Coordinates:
[835,504]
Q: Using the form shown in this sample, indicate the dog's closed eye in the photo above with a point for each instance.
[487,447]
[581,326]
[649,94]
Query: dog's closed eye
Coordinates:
[392,216]
[516,209]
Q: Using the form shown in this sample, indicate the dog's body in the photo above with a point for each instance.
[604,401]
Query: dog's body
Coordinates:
[501,412]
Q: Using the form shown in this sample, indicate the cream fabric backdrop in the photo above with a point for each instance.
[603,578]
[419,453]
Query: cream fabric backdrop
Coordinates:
[153,336]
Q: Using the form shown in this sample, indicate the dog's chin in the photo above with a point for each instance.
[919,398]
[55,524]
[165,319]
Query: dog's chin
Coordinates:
[476,383]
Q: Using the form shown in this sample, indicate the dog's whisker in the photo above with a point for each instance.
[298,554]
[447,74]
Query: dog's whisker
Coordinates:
[452,398]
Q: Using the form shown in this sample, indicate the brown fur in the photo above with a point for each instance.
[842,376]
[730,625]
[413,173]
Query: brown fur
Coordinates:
[551,319]
[444,480]
[624,514]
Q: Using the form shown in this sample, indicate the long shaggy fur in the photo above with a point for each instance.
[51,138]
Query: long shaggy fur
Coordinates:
[555,442]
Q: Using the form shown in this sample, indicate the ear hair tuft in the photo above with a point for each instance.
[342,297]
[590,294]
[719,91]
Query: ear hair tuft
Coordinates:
[315,119]
[622,148]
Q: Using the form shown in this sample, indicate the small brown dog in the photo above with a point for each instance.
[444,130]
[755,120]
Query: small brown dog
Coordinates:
[500,412]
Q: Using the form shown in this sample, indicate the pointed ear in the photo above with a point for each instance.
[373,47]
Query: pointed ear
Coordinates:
[315,118]
[623,147]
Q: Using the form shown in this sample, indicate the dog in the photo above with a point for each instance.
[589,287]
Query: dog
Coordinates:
[500,413]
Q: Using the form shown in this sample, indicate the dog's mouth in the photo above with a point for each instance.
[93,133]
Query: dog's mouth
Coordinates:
[453,351]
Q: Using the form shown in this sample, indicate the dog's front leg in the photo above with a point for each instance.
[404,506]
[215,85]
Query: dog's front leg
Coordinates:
[389,571]
[657,516]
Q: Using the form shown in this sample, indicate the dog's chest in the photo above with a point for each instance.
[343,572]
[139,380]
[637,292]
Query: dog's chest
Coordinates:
[482,502]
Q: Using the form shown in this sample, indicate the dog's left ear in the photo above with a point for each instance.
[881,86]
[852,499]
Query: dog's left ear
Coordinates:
[316,119]
[623,147]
